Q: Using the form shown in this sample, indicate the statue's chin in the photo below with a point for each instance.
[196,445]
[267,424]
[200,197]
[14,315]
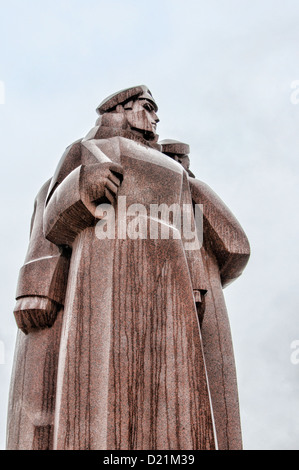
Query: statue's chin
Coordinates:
[147,135]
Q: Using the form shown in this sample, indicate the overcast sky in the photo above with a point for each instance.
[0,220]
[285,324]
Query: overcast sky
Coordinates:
[221,72]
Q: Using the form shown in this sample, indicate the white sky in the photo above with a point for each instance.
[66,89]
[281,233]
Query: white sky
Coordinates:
[221,72]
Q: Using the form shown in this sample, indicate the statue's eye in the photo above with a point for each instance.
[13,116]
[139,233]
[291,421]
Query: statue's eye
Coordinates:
[148,107]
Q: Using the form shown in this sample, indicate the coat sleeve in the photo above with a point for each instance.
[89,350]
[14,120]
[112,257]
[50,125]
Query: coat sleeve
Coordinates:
[72,200]
[65,214]
[43,277]
[222,232]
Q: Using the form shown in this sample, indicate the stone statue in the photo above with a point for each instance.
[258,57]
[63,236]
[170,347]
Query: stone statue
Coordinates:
[110,353]
[225,253]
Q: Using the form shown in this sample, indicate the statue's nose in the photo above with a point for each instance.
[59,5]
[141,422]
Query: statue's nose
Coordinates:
[156,117]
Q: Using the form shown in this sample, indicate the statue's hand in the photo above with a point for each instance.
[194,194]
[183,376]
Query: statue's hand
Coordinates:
[100,180]
[35,313]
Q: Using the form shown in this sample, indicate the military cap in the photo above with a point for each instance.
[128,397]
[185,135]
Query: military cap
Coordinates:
[175,147]
[120,97]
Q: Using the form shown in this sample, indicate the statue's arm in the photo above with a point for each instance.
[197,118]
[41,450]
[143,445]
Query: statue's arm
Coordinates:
[42,278]
[71,207]
[35,313]
[222,232]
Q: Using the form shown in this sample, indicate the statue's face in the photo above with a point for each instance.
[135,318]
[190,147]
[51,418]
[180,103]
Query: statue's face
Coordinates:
[142,116]
[183,160]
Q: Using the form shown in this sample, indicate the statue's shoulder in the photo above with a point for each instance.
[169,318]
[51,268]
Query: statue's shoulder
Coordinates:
[150,154]
[41,195]
[116,146]
[199,187]
[223,231]
[70,160]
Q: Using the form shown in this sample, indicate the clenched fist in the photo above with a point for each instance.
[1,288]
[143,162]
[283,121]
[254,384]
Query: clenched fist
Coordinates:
[99,181]
[35,313]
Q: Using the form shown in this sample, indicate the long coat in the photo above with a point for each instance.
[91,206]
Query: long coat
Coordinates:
[123,365]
